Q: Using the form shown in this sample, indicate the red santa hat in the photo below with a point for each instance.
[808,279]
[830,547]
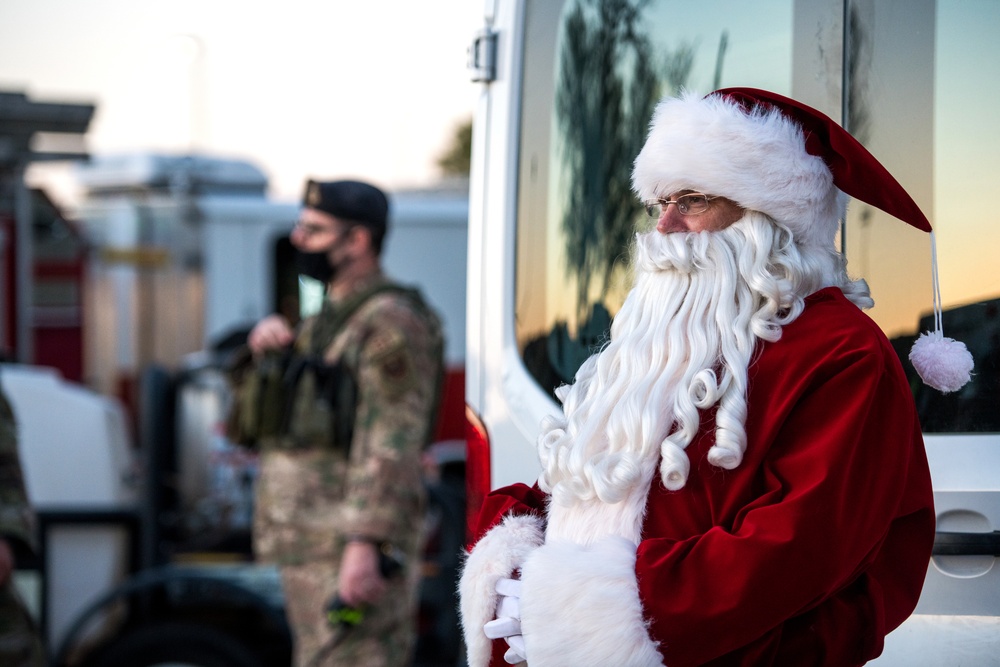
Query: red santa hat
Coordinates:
[791,162]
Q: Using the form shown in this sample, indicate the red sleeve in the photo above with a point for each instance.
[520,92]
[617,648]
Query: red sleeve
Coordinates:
[843,487]
[514,499]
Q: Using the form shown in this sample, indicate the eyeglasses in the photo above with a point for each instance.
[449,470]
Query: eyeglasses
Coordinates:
[310,229]
[693,203]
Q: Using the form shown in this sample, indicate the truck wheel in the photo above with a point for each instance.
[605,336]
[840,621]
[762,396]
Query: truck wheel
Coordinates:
[176,645]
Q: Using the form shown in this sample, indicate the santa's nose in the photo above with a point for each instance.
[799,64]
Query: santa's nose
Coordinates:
[671,219]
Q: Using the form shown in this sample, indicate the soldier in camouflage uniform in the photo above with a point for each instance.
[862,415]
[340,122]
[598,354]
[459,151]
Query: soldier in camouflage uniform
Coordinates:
[340,476]
[20,645]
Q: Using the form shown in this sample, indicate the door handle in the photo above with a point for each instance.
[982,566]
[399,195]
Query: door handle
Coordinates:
[967,544]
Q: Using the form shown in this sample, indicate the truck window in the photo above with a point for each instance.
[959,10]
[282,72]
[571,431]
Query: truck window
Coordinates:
[584,119]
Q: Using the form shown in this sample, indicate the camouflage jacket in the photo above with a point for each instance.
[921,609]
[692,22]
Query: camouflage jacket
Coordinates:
[314,489]
[16,517]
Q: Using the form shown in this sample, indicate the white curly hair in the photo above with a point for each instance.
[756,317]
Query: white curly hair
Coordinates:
[681,344]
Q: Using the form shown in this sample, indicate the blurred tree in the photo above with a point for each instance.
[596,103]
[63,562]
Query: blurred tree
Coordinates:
[858,120]
[456,159]
[859,67]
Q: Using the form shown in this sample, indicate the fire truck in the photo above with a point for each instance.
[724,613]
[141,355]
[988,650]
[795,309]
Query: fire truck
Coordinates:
[144,508]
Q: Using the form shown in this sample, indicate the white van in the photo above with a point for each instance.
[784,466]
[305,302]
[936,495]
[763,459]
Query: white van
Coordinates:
[561,115]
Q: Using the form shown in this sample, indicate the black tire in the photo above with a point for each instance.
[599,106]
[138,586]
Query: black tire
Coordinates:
[176,644]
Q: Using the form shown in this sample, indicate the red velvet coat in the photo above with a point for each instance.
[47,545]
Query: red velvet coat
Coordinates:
[817,545]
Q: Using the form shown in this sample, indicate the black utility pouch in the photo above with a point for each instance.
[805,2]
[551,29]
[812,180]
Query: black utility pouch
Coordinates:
[260,398]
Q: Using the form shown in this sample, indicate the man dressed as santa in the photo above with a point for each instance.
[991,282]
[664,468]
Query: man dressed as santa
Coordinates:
[739,476]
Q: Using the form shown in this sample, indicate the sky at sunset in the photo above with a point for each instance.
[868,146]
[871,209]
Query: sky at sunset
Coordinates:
[301,88]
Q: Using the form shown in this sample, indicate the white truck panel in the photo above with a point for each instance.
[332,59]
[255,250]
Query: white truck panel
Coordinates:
[74,443]
[75,454]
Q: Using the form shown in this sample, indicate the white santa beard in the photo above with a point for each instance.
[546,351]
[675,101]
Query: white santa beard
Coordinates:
[681,343]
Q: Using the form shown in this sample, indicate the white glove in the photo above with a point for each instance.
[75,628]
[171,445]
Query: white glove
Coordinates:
[507,625]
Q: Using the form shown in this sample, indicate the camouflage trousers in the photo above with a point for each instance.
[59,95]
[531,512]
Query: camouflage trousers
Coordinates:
[20,645]
[385,638]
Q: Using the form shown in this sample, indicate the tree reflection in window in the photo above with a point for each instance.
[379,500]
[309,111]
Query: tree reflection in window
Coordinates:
[610,77]
[607,87]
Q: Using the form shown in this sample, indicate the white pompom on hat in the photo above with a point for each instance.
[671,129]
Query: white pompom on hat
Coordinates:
[772,154]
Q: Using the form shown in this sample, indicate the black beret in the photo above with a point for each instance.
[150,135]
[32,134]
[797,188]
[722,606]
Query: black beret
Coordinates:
[350,200]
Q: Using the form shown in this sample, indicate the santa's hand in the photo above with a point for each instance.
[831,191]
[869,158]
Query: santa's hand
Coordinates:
[507,624]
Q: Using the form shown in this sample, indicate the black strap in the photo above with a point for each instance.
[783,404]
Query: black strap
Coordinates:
[337,382]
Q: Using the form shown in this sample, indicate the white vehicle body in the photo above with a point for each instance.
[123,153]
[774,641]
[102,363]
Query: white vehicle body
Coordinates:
[517,275]
[62,469]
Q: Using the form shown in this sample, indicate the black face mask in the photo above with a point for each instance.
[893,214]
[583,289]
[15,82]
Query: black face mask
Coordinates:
[315,265]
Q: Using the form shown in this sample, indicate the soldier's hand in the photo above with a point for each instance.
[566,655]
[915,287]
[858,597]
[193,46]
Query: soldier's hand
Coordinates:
[360,581]
[271,333]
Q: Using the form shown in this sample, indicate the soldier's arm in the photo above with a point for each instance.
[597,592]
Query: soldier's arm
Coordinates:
[16,516]
[398,372]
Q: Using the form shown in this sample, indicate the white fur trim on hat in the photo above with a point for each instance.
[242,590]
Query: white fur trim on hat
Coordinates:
[501,551]
[758,160]
[580,606]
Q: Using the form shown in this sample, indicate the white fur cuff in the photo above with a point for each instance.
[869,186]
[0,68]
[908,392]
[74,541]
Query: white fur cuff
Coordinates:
[501,551]
[580,606]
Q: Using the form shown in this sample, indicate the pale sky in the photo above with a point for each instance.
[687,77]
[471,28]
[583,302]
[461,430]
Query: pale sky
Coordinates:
[368,89]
